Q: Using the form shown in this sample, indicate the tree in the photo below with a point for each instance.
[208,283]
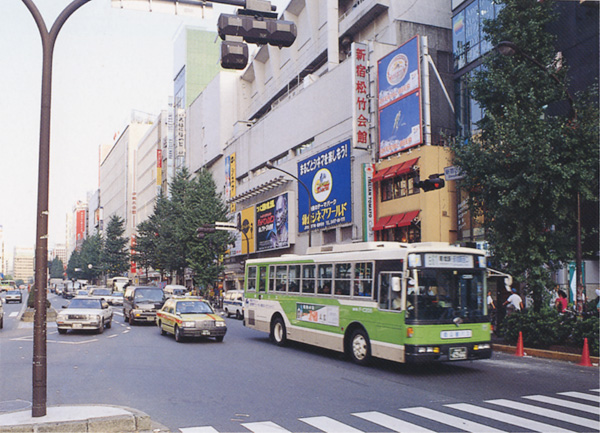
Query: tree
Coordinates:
[534,154]
[56,268]
[204,205]
[74,266]
[146,250]
[90,258]
[115,255]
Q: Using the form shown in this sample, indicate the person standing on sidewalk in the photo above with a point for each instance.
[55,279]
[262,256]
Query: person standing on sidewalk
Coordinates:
[513,303]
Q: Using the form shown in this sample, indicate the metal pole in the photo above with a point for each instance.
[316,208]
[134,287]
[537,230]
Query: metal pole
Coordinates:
[41,244]
[271,166]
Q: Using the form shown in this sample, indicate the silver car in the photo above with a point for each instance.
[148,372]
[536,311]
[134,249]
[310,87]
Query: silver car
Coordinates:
[14,296]
[85,313]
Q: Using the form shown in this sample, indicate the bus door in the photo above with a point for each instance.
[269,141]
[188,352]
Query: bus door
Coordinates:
[391,302]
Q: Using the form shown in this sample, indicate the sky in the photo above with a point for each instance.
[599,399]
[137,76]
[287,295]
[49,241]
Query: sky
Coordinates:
[108,62]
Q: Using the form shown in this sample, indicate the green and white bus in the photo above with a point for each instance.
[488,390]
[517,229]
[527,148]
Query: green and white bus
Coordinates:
[409,303]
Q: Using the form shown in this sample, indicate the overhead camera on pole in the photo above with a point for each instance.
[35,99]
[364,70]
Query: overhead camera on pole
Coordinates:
[255,24]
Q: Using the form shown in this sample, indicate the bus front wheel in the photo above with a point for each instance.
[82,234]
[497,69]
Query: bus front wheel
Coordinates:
[278,332]
[360,348]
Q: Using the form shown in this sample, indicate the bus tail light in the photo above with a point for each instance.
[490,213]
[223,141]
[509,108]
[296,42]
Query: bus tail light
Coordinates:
[410,332]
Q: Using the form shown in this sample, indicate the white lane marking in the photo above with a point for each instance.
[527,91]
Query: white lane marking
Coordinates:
[329,425]
[564,403]
[450,420]
[265,427]
[581,396]
[507,418]
[390,422]
[548,413]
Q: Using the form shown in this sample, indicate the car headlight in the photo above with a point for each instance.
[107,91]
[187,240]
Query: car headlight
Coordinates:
[220,324]
[188,324]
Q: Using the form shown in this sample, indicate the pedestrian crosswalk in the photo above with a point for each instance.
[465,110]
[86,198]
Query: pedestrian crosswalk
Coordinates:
[561,413]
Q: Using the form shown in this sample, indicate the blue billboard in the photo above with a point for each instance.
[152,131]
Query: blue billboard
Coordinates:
[328,177]
[398,73]
[400,125]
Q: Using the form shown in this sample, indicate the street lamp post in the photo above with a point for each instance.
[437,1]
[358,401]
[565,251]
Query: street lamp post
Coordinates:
[272,167]
[508,48]
[41,242]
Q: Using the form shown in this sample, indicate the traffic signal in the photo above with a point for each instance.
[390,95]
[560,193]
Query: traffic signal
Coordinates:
[434,182]
[206,228]
[234,55]
[257,29]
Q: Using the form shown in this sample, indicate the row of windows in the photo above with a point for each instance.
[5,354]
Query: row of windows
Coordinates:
[342,279]
[408,234]
[399,186]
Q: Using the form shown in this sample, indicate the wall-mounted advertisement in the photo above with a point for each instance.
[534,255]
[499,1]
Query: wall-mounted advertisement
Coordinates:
[272,224]
[398,73]
[328,177]
[400,125]
[244,239]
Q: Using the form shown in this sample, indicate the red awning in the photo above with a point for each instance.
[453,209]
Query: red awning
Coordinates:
[381,222]
[398,220]
[394,170]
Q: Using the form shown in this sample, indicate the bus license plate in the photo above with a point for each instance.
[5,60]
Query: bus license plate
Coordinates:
[456,353]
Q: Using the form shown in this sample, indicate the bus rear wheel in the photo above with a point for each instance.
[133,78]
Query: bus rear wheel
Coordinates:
[359,348]
[278,332]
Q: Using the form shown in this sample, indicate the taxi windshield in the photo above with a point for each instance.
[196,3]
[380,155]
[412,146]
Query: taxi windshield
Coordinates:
[193,307]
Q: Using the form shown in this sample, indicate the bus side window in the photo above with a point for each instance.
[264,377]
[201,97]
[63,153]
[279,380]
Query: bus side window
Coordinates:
[363,279]
[281,278]
[294,278]
[384,291]
[325,279]
[308,279]
[262,278]
[251,282]
[343,275]
[271,277]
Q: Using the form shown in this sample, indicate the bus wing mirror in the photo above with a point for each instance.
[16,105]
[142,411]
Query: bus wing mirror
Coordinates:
[508,283]
[396,284]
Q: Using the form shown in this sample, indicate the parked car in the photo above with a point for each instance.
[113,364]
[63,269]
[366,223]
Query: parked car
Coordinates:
[190,317]
[14,296]
[140,303]
[233,303]
[115,298]
[84,313]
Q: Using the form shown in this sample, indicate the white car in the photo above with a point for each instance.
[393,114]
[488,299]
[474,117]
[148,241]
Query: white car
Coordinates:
[115,298]
[85,313]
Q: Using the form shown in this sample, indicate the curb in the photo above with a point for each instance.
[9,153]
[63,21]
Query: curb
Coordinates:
[122,420]
[561,356]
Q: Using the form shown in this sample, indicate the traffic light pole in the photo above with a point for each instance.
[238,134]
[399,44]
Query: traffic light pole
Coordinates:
[41,243]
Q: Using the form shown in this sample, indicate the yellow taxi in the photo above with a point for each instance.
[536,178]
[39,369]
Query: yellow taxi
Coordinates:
[190,317]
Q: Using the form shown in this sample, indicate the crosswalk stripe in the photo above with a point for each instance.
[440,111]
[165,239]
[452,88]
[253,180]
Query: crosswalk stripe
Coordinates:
[582,396]
[392,423]
[595,390]
[548,413]
[329,425]
[264,427]
[207,429]
[564,403]
[507,418]
[450,420]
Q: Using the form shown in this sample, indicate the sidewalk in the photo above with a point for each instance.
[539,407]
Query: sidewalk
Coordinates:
[81,418]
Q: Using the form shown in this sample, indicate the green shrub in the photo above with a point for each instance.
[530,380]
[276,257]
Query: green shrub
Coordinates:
[540,330]
[586,328]
[31,300]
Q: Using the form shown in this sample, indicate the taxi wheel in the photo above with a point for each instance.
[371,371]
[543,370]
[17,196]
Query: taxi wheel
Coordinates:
[62,331]
[101,328]
[162,331]
[178,336]
[109,324]
[131,319]
[219,339]
[238,315]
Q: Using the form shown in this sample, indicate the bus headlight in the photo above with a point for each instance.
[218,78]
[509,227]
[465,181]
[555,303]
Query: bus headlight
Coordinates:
[481,347]
[188,324]
[430,349]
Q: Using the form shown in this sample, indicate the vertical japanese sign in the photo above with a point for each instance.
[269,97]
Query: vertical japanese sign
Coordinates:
[228,176]
[368,203]
[399,99]
[80,224]
[272,229]
[158,167]
[133,263]
[360,92]
[232,180]
[328,178]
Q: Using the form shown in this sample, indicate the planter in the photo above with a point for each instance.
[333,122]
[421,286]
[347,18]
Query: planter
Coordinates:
[29,314]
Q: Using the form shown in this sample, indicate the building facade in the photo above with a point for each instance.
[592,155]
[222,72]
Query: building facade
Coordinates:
[23,264]
[314,112]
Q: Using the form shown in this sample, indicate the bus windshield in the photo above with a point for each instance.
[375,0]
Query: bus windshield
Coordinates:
[443,295]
